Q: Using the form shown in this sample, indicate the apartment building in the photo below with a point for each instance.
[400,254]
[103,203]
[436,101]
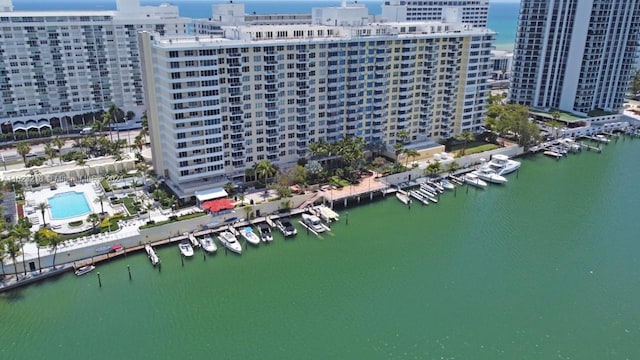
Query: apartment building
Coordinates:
[217,105]
[58,65]
[474,12]
[576,56]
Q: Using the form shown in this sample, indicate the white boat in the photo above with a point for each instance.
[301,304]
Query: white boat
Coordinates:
[473,180]
[488,174]
[153,257]
[248,234]
[286,227]
[447,184]
[265,232]
[503,165]
[313,223]
[185,248]
[326,214]
[208,244]
[83,270]
[194,242]
[601,138]
[552,153]
[403,198]
[229,241]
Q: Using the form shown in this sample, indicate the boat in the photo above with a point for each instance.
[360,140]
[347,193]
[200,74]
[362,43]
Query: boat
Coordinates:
[601,138]
[194,242]
[447,185]
[185,248]
[265,232]
[403,198]
[488,174]
[552,153]
[503,165]
[83,270]
[313,223]
[229,241]
[473,180]
[208,244]
[153,257]
[436,185]
[286,227]
[248,234]
[326,213]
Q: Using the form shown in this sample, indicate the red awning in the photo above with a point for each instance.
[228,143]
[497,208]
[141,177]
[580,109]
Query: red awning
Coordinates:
[218,204]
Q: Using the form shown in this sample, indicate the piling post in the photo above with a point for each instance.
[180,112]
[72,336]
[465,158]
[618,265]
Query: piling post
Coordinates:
[347,218]
[129,270]
[160,266]
[204,255]
[99,280]
[182,260]
[517,173]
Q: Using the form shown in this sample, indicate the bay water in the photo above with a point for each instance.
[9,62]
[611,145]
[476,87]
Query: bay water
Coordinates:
[546,266]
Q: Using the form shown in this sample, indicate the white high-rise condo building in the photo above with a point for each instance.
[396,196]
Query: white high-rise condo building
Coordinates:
[575,56]
[57,66]
[475,12]
[217,105]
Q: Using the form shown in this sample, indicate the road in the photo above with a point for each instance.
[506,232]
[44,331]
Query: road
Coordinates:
[10,155]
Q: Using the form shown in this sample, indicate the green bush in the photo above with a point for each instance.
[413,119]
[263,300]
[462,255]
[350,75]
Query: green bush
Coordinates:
[76,223]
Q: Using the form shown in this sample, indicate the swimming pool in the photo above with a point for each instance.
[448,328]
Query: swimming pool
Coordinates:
[68,204]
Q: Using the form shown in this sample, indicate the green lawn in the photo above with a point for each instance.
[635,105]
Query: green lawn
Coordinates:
[476,149]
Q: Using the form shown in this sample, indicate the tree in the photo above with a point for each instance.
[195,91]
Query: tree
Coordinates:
[434,168]
[23,148]
[138,143]
[3,253]
[453,166]
[50,151]
[101,199]
[313,169]
[59,143]
[42,207]
[466,137]
[230,188]
[12,249]
[410,154]
[635,84]
[94,219]
[46,237]
[265,169]
[21,233]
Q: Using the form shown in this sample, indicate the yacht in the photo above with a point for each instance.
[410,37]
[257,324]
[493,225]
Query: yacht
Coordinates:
[503,165]
[83,270]
[265,232]
[230,242]
[488,174]
[153,257]
[601,138]
[185,248]
[248,234]
[313,223]
[208,244]
[473,180]
[447,184]
[286,227]
[403,198]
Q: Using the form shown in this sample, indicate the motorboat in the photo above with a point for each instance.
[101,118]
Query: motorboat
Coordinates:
[447,185]
[185,248]
[208,244]
[403,198]
[552,153]
[248,234]
[473,180]
[488,174]
[503,165]
[326,214]
[83,270]
[153,257]
[313,223]
[229,241]
[194,242]
[265,232]
[601,138]
[285,226]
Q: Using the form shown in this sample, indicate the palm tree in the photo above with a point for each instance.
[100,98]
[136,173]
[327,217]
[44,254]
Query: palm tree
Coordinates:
[49,238]
[59,143]
[42,207]
[453,167]
[100,199]
[50,151]
[434,168]
[138,143]
[466,136]
[410,154]
[94,219]
[21,233]
[12,249]
[265,169]
[3,253]
[23,148]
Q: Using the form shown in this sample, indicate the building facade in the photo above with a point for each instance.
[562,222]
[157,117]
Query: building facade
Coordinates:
[575,56]
[57,65]
[218,105]
[474,12]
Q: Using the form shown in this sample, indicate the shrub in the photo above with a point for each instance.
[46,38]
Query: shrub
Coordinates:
[76,223]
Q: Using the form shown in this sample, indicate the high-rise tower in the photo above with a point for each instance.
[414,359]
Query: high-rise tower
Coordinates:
[575,56]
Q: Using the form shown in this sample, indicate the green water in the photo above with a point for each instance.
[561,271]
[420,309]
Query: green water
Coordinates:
[545,267]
